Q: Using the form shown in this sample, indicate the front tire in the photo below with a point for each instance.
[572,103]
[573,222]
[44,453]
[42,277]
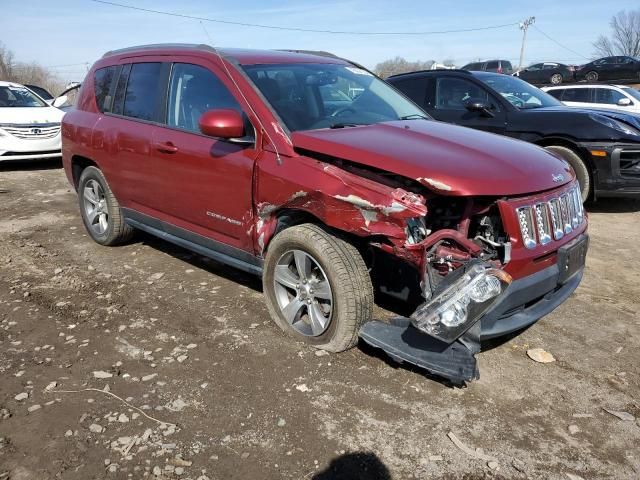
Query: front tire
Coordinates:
[592,77]
[317,287]
[100,209]
[579,167]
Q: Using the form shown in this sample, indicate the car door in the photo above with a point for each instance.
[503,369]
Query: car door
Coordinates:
[126,132]
[628,68]
[606,97]
[207,181]
[447,101]
[532,73]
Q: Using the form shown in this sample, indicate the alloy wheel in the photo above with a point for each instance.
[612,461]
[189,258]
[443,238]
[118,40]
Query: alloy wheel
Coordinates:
[95,207]
[556,79]
[303,293]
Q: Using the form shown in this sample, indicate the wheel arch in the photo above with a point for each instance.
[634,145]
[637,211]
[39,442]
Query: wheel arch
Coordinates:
[78,164]
[574,147]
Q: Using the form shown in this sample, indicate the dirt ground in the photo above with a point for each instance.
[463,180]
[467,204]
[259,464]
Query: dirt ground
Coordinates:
[99,346]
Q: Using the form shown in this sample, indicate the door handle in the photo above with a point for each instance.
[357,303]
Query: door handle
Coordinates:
[165,147]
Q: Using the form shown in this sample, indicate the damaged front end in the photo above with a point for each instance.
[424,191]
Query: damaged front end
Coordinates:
[464,249]
[450,320]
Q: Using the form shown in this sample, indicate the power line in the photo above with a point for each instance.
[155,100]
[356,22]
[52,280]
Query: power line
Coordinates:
[559,44]
[295,29]
[67,65]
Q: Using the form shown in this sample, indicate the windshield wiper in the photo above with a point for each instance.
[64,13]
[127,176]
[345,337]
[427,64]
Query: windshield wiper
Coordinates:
[344,125]
[414,116]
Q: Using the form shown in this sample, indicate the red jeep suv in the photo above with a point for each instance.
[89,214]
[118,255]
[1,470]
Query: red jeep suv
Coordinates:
[310,171]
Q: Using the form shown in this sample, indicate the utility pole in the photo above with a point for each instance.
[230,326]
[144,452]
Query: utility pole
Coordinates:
[524,26]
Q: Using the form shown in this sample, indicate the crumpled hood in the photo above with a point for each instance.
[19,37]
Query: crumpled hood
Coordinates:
[448,159]
[30,115]
[617,114]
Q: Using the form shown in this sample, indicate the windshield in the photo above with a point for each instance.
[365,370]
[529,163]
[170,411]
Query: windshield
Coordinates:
[19,97]
[633,92]
[519,93]
[312,96]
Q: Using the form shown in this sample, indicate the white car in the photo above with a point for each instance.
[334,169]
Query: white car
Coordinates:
[29,126]
[610,97]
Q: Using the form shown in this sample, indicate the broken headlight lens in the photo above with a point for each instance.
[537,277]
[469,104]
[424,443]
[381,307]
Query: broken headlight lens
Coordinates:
[452,312]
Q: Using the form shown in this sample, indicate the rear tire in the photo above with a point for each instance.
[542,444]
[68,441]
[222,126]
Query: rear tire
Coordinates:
[591,77]
[100,209]
[556,79]
[348,303]
[579,167]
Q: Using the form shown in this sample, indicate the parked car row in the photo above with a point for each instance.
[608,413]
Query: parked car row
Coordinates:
[309,171]
[554,73]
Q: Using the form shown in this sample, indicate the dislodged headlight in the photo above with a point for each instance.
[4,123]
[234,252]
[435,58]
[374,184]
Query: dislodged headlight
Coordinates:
[452,312]
[615,124]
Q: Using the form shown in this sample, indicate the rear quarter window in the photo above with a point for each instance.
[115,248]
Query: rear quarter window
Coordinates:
[414,88]
[104,80]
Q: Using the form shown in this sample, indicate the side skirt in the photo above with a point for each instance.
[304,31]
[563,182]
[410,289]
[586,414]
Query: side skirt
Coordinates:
[207,247]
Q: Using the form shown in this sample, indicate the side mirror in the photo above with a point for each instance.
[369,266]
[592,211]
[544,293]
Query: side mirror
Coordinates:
[59,101]
[624,102]
[222,123]
[478,105]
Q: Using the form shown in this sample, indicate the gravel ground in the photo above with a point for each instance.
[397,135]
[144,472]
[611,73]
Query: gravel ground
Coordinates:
[146,361]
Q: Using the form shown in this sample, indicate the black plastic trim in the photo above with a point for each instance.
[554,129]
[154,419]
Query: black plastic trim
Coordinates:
[192,241]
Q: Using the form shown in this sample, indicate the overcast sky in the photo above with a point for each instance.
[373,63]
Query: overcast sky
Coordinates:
[63,32]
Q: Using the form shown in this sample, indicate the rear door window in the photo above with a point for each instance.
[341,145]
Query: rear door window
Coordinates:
[577,95]
[104,86]
[143,91]
[492,65]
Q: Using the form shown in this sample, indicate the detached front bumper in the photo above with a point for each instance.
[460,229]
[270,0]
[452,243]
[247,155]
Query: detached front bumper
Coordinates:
[616,168]
[524,302]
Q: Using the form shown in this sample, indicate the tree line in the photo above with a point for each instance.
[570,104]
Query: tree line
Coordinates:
[28,73]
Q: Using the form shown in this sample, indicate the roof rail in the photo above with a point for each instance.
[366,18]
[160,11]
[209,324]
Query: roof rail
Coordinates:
[320,53]
[156,46]
[456,70]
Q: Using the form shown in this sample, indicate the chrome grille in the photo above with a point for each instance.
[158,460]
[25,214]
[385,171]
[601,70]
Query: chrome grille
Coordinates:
[33,132]
[550,220]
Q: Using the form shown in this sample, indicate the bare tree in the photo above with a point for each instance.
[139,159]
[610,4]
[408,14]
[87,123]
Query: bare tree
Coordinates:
[6,63]
[29,73]
[398,65]
[625,36]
